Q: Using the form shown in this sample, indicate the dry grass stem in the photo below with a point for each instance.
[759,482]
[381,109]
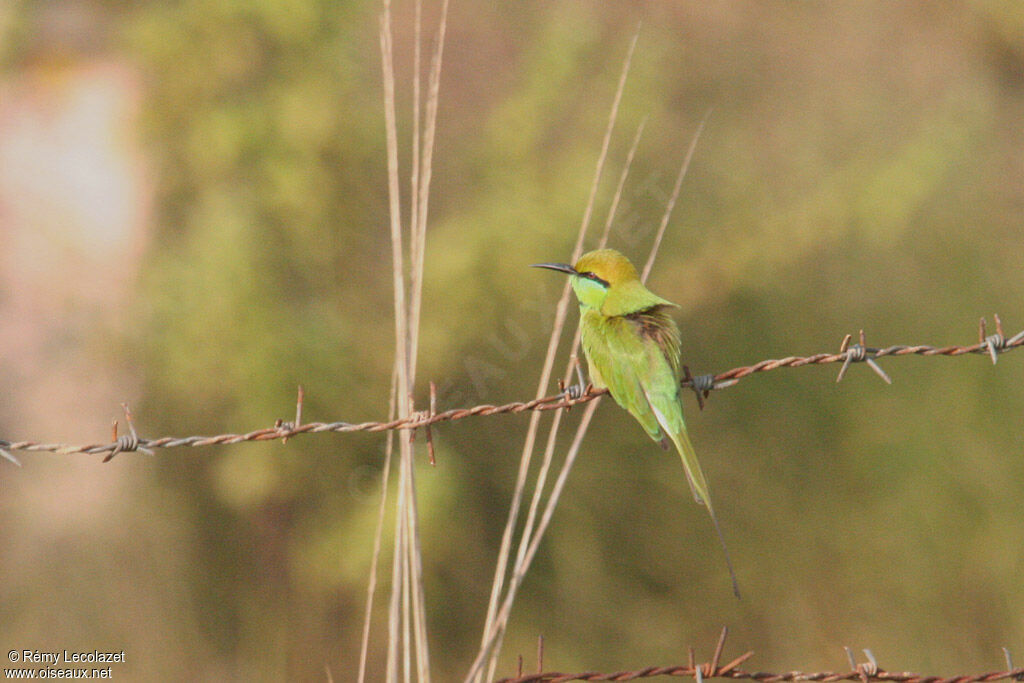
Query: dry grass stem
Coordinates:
[418,232]
[423,159]
[395,605]
[531,538]
[549,449]
[672,200]
[617,197]
[378,535]
[398,576]
[493,626]
[505,609]
[407,585]
[415,243]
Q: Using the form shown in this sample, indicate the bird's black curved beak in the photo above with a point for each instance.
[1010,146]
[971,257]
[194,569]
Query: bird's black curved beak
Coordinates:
[560,267]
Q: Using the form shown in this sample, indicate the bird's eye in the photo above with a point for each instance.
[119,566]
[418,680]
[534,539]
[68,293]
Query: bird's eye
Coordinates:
[596,278]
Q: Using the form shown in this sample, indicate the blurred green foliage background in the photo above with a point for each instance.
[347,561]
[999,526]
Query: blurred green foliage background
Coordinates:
[863,167]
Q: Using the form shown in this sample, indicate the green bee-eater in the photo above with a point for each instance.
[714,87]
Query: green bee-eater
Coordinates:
[632,349]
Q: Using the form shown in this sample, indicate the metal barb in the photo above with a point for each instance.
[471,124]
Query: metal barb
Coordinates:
[424,418]
[569,395]
[298,410]
[579,370]
[866,670]
[703,385]
[845,350]
[7,456]
[575,392]
[128,442]
[872,663]
[858,353]
[995,343]
[735,663]
[433,411]
[287,429]
[878,370]
[1010,666]
[700,384]
[717,657]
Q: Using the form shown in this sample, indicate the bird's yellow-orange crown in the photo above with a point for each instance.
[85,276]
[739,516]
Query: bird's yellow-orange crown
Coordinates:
[609,265]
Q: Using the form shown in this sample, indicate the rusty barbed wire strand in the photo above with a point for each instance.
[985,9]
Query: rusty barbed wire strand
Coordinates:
[860,674]
[864,672]
[991,345]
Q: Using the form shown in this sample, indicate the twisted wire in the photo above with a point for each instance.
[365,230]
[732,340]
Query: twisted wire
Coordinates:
[702,385]
[865,672]
[862,673]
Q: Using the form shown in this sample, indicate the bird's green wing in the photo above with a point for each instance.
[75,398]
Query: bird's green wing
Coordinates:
[669,416]
[666,406]
[637,358]
[661,390]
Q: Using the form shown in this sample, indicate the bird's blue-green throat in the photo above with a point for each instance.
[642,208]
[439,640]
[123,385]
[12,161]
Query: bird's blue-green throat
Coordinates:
[632,348]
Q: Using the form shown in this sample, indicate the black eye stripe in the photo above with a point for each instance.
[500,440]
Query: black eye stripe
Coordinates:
[595,278]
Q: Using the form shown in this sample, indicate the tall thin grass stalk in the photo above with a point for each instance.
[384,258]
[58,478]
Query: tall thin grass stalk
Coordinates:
[398,575]
[571,366]
[394,607]
[407,613]
[414,180]
[671,204]
[491,636]
[399,637]
[378,535]
[505,609]
[525,557]
[528,546]
[414,577]
[549,448]
[418,236]
[423,175]
[617,197]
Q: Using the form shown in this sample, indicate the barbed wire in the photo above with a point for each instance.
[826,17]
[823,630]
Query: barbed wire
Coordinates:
[865,672]
[862,673]
[702,385]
